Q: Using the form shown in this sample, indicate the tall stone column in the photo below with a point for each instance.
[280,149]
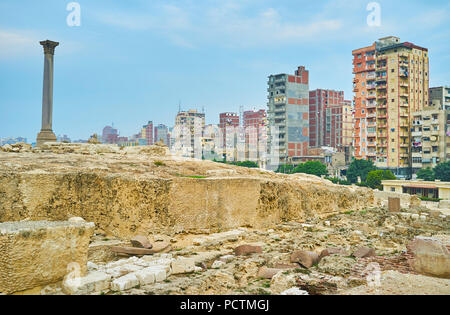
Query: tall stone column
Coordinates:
[46,134]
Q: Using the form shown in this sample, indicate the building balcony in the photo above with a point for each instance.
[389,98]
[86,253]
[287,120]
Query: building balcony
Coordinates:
[382,145]
[371,97]
[371,144]
[404,114]
[403,104]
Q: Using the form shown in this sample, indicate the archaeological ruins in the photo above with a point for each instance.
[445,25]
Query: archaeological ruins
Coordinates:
[100,219]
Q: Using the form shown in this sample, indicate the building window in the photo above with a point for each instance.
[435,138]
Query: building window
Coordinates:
[393,189]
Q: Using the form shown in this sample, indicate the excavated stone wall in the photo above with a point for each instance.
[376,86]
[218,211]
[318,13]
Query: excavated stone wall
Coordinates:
[123,206]
[143,190]
[38,253]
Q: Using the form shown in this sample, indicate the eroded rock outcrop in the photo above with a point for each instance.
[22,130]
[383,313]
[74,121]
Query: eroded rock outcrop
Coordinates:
[132,191]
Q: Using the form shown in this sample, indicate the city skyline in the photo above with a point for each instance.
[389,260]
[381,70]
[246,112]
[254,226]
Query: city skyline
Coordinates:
[109,69]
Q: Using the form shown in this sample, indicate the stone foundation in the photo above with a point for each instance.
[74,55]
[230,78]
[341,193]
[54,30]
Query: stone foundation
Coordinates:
[38,253]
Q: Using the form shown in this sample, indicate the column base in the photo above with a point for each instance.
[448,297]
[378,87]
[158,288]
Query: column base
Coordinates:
[45,136]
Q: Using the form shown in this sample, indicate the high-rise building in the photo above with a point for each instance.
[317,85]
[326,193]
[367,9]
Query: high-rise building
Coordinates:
[162,134]
[347,124]
[288,115]
[364,87]
[430,136]
[147,133]
[229,127]
[326,110]
[255,130]
[440,97]
[110,135]
[402,72]
[188,132]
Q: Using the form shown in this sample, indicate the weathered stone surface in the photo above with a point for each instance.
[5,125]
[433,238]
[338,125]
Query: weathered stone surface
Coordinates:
[40,253]
[217,264]
[125,194]
[305,258]
[268,273]
[431,257]
[91,283]
[281,282]
[294,291]
[141,241]
[227,258]
[183,265]
[363,252]
[244,250]
[125,283]
[394,204]
[333,251]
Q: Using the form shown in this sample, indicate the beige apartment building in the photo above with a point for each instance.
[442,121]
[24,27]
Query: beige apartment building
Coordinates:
[430,137]
[402,77]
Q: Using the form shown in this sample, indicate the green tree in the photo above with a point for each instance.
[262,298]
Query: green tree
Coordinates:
[359,168]
[248,164]
[374,178]
[312,167]
[442,171]
[425,174]
[285,169]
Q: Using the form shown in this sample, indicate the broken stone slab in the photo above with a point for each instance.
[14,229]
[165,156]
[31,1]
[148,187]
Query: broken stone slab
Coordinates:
[305,258]
[123,270]
[183,265]
[244,250]
[215,238]
[333,251]
[159,247]
[126,282]
[38,253]
[146,276]
[294,291]
[267,273]
[141,241]
[431,257]
[363,252]
[93,282]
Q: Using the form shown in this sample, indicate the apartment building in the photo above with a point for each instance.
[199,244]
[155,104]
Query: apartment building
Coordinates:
[440,97]
[147,133]
[347,124]
[402,71]
[288,114]
[162,134]
[188,132]
[326,118]
[430,137]
[255,128]
[364,87]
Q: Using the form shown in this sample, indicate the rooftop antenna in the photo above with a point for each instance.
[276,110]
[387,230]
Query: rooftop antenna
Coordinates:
[179,106]
[241,116]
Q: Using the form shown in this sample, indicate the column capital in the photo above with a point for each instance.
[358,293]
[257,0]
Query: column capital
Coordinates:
[49,46]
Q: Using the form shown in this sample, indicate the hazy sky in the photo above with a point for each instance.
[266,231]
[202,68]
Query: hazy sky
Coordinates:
[133,61]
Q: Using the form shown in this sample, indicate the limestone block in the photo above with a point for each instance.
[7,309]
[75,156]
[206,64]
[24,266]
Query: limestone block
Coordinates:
[294,291]
[146,276]
[123,270]
[431,257]
[182,265]
[93,282]
[159,272]
[38,253]
[125,283]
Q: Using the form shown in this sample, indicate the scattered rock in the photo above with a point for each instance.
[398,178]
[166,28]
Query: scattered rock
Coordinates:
[141,241]
[267,273]
[431,257]
[363,252]
[333,251]
[93,282]
[77,220]
[305,258]
[244,250]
